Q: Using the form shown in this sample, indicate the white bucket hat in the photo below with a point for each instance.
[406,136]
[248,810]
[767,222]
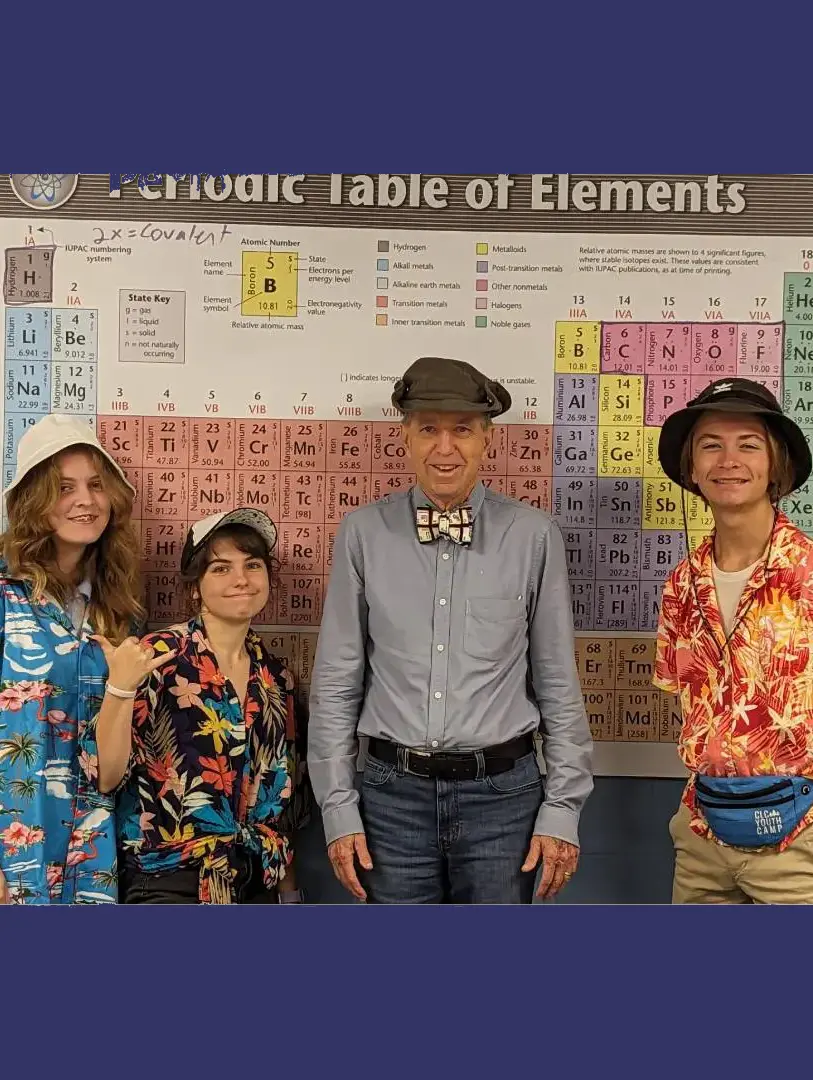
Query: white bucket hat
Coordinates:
[51,435]
[255,519]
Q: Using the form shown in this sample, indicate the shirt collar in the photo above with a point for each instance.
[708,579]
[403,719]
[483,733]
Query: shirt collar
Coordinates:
[197,634]
[475,499]
[702,558]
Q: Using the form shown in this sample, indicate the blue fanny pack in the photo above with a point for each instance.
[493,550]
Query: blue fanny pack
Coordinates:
[753,811]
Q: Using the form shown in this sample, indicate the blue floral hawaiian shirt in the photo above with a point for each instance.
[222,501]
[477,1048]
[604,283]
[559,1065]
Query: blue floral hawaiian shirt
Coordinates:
[57,832]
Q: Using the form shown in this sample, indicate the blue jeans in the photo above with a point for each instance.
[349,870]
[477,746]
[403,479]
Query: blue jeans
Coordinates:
[449,841]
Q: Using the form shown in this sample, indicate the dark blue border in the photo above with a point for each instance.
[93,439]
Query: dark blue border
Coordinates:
[445,88]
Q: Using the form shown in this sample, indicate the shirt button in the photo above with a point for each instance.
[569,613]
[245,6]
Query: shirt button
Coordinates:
[442,603]
[440,648]
[446,555]
[435,742]
[438,694]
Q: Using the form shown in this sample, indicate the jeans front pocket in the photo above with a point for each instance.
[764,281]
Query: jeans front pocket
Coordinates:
[524,776]
[376,773]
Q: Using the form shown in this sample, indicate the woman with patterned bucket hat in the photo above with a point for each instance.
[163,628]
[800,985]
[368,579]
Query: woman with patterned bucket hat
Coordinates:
[734,642]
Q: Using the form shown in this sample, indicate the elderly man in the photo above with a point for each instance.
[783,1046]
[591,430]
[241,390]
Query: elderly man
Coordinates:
[447,638]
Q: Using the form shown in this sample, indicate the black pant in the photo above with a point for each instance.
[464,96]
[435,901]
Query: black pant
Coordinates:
[181,886]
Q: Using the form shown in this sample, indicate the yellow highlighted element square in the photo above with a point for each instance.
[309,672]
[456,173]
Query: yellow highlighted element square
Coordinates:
[621,400]
[578,347]
[661,508]
[269,284]
[652,466]
[620,451]
[482,249]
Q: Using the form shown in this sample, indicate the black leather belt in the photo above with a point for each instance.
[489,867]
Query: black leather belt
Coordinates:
[458,765]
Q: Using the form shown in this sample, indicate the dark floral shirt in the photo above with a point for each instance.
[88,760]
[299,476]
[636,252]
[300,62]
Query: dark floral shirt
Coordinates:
[209,774]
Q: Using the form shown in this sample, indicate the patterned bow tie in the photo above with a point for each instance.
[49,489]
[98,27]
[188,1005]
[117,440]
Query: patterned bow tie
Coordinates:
[455,525]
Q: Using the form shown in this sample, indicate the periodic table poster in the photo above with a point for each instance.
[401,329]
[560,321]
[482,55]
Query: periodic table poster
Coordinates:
[234,339]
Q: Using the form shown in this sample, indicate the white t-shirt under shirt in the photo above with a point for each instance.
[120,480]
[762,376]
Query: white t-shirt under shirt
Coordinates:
[730,586]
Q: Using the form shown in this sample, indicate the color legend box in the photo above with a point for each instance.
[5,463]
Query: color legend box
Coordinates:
[481,303]
[382,283]
[381,320]
[382,301]
[480,320]
[482,249]
[383,245]
[382,264]
[482,266]
[482,284]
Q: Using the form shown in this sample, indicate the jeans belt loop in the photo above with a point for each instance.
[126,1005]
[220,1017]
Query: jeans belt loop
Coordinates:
[402,760]
[481,764]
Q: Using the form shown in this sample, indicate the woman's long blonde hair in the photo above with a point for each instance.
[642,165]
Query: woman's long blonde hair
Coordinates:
[28,547]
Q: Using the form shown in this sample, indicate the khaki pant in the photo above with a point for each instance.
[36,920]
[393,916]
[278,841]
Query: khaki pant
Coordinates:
[707,873]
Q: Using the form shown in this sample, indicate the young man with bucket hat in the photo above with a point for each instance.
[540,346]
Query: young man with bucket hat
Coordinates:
[447,639]
[734,642]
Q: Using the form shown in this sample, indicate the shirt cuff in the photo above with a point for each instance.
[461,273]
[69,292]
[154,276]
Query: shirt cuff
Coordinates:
[559,823]
[343,821]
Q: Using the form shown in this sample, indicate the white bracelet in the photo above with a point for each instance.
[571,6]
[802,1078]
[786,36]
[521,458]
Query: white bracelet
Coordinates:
[114,690]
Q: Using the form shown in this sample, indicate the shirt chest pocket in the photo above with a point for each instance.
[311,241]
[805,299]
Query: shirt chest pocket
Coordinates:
[495,627]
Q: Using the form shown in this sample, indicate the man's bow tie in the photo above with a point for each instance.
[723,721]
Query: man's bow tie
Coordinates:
[456,525]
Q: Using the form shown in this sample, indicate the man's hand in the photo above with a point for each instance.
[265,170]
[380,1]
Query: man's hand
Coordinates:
[342,854]
[4,896]
[559,862]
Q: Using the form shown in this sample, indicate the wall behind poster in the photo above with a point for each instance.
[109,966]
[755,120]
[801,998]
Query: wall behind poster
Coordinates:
[234,340]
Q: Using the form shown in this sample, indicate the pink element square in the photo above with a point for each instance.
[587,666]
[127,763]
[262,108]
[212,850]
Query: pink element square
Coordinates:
[714,350]
[665,394]
[759,350]
[623,348]
[669,349]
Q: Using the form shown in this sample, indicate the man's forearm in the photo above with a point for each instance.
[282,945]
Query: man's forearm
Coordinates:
[565,730]
[567,747]
[333,781]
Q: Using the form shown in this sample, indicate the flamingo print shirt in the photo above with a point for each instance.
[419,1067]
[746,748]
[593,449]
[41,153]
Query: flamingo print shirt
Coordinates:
[747,705]
[57,832]
[208,773]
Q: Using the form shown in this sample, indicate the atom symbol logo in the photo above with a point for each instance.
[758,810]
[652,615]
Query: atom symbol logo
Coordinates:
[43,191]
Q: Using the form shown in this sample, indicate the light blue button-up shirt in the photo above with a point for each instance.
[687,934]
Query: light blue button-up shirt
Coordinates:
[448,647]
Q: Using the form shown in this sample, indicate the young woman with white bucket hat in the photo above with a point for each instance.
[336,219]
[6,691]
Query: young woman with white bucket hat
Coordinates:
[68,572]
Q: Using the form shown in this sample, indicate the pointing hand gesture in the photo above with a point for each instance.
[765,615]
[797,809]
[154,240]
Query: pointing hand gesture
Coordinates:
[130,664]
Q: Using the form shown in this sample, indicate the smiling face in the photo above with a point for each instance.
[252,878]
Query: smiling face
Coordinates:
[731,460]
[446,450]
[82,510]
[234,585]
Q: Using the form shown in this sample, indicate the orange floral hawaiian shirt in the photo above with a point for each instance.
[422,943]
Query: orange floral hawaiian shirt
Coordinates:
[747,706]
